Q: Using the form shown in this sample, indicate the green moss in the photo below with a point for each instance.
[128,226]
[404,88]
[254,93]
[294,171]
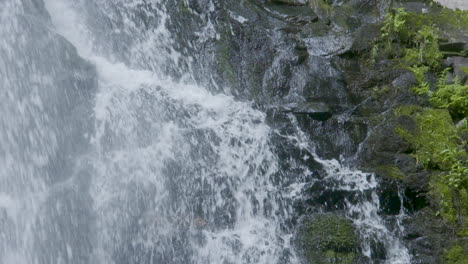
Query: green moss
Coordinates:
[445,197]
[331,232]
[390,172]
[465,69]
[329,238]
[457,254]
[339,257]
[407,110]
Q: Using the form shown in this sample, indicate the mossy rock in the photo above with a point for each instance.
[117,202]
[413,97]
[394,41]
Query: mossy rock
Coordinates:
[390,172]
[457,254]
[328,238]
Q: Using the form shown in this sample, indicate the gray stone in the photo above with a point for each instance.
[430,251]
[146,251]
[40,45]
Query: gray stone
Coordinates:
[460,4]
[459,66]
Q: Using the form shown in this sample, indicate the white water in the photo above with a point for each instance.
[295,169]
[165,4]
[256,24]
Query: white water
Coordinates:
[175,174]
[147,124]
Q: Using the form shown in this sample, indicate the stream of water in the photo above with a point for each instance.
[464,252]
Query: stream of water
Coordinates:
[143,165]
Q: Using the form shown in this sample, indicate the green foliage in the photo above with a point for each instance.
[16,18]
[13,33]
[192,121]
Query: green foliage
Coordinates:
[453,97]
[423,85]
[445,198]
[411,41]
[465,69]
[394,27]
[435,132]
[393,33]
[457,254]
[437,146]
[426,42]
[409,38]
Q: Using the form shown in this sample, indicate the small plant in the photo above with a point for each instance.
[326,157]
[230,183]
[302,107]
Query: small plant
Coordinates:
[427,44]
[423,85]
[394,25]
[453,97]
[409,38]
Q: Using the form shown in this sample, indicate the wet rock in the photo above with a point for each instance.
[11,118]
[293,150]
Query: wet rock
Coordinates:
[332,44]
[364,36]
[426,236]
[454,48]
[298,16]
[291,2]
[461,4]
[383,143]
[316,110]
[405,81]
[460,67]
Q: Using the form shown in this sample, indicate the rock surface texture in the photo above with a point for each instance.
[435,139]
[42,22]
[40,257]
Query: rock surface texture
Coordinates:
[298,131]
[356,99]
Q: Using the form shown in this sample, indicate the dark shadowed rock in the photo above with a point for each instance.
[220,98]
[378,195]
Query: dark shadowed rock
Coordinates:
[459,66]
[316,110]
[291,2]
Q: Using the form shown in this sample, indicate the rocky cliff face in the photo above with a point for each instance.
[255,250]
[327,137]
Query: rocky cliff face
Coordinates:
[351,85]
[380,85]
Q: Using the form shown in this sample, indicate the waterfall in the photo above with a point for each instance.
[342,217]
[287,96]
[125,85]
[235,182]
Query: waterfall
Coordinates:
[111,152]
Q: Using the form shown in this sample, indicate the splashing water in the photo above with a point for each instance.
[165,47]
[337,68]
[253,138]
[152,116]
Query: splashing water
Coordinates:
[181,175]
[107,157]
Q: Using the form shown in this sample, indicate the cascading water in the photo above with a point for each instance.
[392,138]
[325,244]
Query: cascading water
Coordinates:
[110,153]
[363,208]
